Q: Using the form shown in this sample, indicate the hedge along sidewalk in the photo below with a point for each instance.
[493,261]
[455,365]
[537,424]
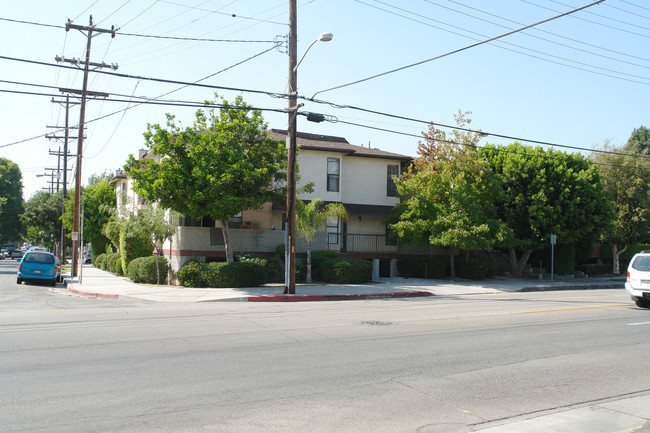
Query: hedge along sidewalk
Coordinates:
[101,284]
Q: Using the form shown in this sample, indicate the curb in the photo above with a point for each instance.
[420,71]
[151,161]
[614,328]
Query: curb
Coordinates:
[572,287]
[302,298]
[91,295]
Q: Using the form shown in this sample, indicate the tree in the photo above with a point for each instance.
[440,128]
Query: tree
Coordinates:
[159,223]
[11,191]
[546,192]
[42,219]
[311,217]
[626,184]
[449,195]
[639,141]
[222,165]
[99,203]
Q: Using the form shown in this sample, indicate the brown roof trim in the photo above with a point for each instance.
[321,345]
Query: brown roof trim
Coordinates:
[327,143]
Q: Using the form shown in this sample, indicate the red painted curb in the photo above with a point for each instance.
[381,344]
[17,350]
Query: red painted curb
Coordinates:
[299,298]
[92,295]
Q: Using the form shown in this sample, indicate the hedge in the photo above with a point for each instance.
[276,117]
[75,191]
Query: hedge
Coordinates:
[317,260]
[143,270]
[221,274]
[273,266]
[345,271]
[475,269]
[190,275]
[423,267]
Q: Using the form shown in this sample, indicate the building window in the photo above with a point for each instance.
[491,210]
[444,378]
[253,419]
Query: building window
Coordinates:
[235,222]
[332,229]
[391,188]
[333,174]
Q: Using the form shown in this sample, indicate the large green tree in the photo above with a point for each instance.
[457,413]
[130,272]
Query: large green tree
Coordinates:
[99,203]
[626,184]
[222,165]
[546,192]
[42,219]
[639,141]
[449,195]
[11,194]
[311,217]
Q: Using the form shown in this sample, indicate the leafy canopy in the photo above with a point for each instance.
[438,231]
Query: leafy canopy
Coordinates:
[223,164]
[449,194]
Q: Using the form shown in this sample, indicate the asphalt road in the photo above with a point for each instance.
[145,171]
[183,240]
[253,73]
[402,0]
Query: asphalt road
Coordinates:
[424,365]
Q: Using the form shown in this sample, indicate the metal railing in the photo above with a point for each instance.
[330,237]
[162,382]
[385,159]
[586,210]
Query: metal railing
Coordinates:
[361,243]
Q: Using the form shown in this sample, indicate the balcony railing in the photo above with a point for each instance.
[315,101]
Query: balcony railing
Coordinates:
[361,243]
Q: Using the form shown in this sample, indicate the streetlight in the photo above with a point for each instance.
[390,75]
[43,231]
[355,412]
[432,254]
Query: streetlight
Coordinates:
[292,110]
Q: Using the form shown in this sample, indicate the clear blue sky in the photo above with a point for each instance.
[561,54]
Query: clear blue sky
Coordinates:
[576,81]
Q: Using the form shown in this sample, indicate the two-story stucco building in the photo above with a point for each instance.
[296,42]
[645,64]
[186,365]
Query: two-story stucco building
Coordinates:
[361,178]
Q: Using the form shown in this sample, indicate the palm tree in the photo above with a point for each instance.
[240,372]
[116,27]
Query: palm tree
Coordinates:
[311,217]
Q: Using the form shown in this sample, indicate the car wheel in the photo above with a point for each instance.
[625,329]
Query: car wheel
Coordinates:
[642,303]
[19,281]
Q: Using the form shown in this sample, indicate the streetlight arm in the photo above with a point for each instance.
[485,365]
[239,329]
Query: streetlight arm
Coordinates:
[324,37]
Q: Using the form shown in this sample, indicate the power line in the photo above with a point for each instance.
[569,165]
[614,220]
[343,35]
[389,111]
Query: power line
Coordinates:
[499,149]
[592,22]
[460,49]
[543,31]
[524,48]
[483,133]
[176,38]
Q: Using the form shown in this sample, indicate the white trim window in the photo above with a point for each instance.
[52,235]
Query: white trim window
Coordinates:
[333,174]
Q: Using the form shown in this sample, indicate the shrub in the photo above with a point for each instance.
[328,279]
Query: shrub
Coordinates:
[117,267]
[241,274]
[97,260]
[317,260]
[474,269]
[279,252]
[346,271]
[133,246]
[423,267]
[143,269]
[110,262]
[595,268]
[272,265]
[190,275]
[132,270]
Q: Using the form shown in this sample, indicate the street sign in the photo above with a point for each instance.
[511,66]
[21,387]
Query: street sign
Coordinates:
[553,239]
[75,236]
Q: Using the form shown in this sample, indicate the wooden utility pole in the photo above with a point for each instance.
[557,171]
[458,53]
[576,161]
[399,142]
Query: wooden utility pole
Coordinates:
[66,155]
[292,109]
[76,240]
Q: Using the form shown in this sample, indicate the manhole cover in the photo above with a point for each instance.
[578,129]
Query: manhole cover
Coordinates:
[376,323]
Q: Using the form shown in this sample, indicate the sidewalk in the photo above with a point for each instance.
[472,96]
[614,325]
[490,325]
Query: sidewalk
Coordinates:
[96,283]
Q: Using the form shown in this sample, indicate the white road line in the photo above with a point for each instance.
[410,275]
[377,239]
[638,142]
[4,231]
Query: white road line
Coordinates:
[637,324]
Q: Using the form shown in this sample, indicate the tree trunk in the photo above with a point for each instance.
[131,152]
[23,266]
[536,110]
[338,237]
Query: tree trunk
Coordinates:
[308,276]
[523,261]
[226,241]
[616,254]
[512,255]
[517,266]
[157,266]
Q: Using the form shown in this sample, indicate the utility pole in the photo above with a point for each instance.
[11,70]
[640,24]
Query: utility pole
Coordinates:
[65,138]
[82,118]
[292,109]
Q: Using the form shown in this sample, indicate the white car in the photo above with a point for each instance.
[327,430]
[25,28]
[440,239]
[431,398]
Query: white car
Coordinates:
[638,279]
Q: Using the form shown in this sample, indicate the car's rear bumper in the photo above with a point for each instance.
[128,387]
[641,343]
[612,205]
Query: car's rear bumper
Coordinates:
[636,293]
[32,276]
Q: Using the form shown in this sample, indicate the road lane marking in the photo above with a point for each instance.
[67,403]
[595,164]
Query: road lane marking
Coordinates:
[638,324]
[575,309]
